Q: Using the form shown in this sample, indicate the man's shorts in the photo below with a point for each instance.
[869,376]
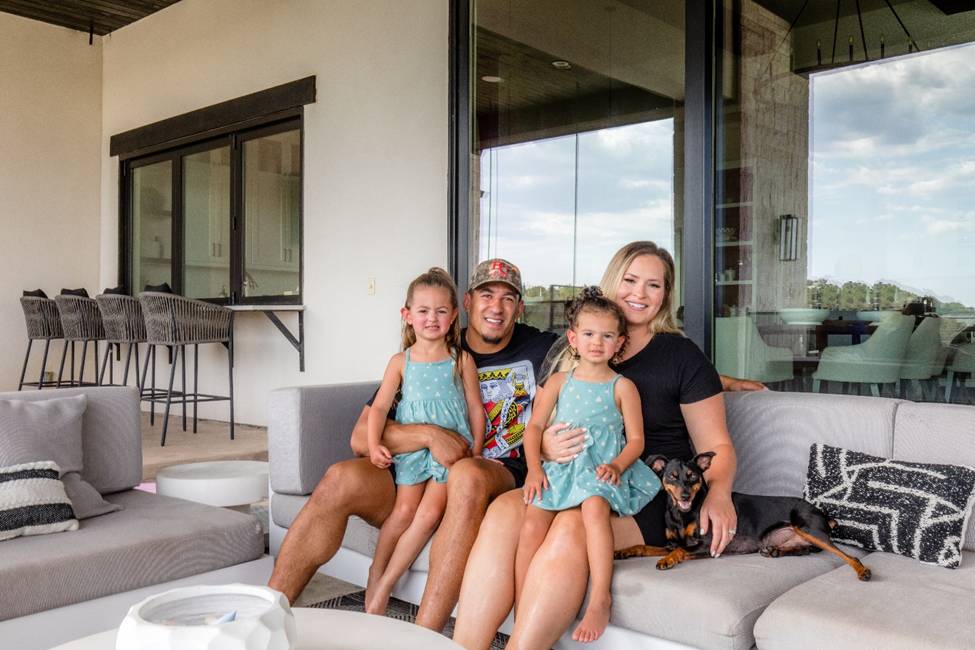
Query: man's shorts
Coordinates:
[516,466]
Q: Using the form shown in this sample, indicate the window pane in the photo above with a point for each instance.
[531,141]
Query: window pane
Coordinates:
[272,194]
[152,224]
[206,224]
[577,129]
[845,185]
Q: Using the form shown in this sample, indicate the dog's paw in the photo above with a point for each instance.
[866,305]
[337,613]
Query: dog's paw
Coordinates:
[766,551]
[666,563]
[864,574]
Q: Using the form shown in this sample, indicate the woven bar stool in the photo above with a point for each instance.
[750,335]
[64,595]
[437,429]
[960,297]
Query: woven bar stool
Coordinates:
[82,322]
[43,323]
[177,322]
[122,318]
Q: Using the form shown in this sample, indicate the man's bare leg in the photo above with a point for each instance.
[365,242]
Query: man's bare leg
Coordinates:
[488,590]
[471,485]
[351,487]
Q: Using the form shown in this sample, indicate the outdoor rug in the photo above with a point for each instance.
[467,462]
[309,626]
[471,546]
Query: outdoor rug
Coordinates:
[397,609]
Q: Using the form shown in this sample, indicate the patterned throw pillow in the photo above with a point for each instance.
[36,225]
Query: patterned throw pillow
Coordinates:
[914,509]
[33,501]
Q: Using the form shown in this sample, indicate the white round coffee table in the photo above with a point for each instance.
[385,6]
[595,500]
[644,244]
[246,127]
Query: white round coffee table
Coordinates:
[327,629]
[221,483]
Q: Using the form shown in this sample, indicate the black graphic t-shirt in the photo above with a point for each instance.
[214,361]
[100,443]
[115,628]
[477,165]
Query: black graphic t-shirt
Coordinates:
[508,381]
[669,371]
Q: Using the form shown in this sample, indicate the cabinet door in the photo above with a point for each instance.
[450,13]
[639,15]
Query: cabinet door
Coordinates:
[272,173]
[206,223]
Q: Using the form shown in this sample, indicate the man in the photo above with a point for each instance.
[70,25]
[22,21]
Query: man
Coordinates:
[509,357]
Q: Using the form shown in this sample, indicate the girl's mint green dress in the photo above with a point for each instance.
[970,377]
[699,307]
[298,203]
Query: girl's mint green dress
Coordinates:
[430,394]
[593,406]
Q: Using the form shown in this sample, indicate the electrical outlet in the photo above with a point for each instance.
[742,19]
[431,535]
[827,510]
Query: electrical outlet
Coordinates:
[371,287]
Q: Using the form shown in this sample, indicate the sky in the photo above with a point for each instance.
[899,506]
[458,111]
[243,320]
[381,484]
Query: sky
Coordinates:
[891,184]
[892,173]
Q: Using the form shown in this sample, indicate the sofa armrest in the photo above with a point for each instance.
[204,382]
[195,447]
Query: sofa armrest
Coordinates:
[308,431]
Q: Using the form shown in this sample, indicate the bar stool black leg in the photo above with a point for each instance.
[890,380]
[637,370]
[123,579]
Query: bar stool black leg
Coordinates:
[84,354]
[23,373]
[64,355]
[128,360]
[183,384]
[145,370]
[108,357]
[71,383]
[152,403]
[196,378]
[230,364]
[139,381]
[97,380]
[169,397]
[40,382]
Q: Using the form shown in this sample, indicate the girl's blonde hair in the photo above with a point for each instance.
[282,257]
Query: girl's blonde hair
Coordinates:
[436,278]
[664,321]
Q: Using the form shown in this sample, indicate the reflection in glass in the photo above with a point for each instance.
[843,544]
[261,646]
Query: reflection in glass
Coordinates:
[152,224]
[843,227]
[272,186]
[577,130]
[206,224]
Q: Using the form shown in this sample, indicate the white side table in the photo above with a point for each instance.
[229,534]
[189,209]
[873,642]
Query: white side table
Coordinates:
[222,483]
[327,629]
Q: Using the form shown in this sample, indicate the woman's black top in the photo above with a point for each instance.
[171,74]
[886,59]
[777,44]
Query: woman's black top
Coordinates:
[669,371]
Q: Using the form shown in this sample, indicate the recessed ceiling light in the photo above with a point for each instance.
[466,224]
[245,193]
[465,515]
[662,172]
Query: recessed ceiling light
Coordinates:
[492,79]
[561,65]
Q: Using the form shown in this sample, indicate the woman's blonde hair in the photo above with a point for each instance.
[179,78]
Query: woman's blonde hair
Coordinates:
[437,278]
[664,321]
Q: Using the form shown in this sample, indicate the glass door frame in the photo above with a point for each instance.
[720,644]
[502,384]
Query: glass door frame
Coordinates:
[697,236]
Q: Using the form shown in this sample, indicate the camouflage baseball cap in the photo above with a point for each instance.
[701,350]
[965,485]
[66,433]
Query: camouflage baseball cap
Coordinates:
[496,270]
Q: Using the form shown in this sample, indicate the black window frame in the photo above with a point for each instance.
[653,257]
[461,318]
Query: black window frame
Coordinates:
[175,151]
[701,65]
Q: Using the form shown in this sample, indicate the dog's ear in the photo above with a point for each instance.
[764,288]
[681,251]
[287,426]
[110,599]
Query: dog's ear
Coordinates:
[657,464]
[703,460]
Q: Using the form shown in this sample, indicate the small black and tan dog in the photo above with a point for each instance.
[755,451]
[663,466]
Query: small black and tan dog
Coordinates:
[772,526]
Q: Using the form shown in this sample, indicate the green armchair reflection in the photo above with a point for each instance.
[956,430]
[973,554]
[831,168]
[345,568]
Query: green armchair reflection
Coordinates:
[740,351]
[876,361]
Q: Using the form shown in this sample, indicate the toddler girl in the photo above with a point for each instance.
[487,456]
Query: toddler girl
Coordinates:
[437,382]
[608,474]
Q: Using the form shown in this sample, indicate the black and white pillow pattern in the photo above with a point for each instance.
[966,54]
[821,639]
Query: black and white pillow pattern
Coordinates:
[915,509]
[33,501]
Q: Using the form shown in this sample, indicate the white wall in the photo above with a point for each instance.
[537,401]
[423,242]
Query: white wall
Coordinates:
[50,139]
[375,175]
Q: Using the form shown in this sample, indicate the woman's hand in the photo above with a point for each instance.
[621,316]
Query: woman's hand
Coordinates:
[535,482]
[734,384]
[609,473]
[562,444]
[718,515]
[380,457]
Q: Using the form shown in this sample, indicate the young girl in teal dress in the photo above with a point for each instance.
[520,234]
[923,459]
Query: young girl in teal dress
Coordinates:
[608,475]
[437,382]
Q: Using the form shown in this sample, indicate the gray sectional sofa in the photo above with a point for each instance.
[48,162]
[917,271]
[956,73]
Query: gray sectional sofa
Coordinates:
[734,601]
[57,587]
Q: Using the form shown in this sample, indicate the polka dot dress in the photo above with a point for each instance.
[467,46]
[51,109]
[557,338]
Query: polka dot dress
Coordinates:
[593,406]
[430,394]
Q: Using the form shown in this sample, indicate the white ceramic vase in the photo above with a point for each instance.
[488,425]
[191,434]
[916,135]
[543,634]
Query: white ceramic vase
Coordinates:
[183,619]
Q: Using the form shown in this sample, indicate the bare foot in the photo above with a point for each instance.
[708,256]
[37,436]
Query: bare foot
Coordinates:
[595,620]
[378,597]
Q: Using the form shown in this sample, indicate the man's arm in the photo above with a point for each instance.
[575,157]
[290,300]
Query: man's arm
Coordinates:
[446,446]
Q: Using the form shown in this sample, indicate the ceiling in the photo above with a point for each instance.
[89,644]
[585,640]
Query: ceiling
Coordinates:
[96,16]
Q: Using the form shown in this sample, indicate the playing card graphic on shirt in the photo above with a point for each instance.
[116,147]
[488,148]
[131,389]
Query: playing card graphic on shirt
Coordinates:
[507,392]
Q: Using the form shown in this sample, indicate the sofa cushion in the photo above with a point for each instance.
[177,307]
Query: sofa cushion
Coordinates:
[110,433]
[709,603]
[918,510]
[772,433]
[906,606]
[51,430]
[937,433]
[33,501]
[153,539]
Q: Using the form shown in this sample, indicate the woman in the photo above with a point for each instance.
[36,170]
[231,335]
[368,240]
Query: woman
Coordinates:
[682,405]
